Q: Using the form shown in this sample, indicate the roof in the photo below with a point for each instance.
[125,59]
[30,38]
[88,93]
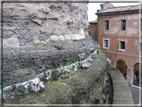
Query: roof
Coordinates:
[119,10]
[93,22]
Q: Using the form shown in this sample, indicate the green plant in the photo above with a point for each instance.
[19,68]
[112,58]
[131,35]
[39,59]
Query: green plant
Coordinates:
[44,45]
[56,77]
[74,62]
[17,89]
[49,69]
[68,63]
[103,94]
[49,88]
[77,60]
[3,86]
[83,60]
[20,82]
[95,50]
[71,72]
[74,44]
[79,73]
[63,76]
[74,95]
[98,55]
[78,66]
[56,82]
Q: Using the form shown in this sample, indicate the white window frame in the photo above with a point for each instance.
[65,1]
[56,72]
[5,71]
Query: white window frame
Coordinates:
[108,43]
[125,45]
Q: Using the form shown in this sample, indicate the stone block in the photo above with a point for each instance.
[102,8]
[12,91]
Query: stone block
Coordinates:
[54,38]
[81,56]
[62,38]
[47,75]
[84,64]
[37,42]
[73,36]
[67,37]
[79,37]
[12,42]
[81,32]
[36,85]
[94,55]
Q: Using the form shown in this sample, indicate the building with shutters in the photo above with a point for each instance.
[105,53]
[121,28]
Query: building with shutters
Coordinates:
[119,36]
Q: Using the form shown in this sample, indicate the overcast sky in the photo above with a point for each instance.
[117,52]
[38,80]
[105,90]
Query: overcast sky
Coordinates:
[93,7]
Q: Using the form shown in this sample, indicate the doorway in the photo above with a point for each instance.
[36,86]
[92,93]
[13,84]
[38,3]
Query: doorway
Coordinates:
[136,78]
[122,66]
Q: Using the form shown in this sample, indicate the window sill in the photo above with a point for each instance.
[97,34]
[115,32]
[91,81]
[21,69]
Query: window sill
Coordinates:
[105,48]
[121,49]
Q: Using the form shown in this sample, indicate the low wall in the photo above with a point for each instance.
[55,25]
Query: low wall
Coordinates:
[111,90]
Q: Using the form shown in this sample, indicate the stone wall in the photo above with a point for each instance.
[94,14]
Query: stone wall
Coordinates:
[27,24]
[86,85]
[21,64]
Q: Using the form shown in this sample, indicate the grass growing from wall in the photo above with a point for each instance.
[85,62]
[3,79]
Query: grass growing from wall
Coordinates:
[3,86]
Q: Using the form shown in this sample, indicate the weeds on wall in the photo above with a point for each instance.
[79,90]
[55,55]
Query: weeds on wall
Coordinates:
[3,86]
[44,45]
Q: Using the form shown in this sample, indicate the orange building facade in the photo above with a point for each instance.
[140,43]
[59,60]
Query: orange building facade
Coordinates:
[119,36]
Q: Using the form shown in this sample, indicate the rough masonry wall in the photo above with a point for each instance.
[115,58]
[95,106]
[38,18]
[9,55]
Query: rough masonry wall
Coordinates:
[27,24]
[21,64]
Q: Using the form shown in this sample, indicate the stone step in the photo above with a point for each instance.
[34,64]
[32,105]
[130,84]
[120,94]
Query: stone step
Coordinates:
[120,81]
[119,90]
[119,84]
[122,93]
[117,77]
[121,87]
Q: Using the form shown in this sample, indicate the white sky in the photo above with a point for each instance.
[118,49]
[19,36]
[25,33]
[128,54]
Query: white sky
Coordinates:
[93,7]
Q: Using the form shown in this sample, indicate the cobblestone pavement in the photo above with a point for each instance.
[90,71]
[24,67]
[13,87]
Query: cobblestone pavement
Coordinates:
[135,94]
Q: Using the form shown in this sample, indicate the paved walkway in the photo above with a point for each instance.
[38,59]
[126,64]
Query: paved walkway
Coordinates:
[136,94]
[122,93]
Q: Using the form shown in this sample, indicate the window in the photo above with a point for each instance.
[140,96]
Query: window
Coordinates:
[122,44]
[140,47]
[106,24]
[123,24]
[106,43]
